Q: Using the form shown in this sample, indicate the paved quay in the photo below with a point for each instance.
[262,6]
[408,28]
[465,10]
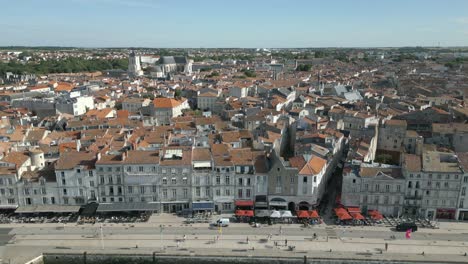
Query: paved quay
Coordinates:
[24,241]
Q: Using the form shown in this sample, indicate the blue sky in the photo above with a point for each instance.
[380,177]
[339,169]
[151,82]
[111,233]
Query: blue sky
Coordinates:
[234,23]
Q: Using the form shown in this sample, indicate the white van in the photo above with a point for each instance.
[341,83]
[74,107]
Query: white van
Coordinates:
[222,222]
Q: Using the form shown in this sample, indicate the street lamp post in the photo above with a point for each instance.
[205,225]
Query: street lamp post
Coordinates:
[102,237]
[160,235]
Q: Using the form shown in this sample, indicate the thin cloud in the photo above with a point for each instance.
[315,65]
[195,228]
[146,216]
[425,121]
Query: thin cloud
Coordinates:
[462,20]
[126,3]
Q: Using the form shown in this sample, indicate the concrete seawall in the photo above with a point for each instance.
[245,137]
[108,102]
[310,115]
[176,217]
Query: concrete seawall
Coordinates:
[85,258]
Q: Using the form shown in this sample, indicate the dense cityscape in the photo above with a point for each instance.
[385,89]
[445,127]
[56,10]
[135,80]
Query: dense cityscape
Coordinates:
[309,136]
[233,132]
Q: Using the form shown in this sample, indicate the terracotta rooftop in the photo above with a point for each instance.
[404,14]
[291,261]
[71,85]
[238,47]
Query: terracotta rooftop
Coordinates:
[71,159]
[165,103]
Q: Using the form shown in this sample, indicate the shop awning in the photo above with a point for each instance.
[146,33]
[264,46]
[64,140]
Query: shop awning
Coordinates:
[278,203]
[354,209]
[357,216]
[50,208]
[239,213]
[127,207]
[202,206]
[374,214]
[286,214]
[302,214]
[8,206]
[249,213]
[244,203]
[342,214]
[262,213]
[275,214]
[314,214]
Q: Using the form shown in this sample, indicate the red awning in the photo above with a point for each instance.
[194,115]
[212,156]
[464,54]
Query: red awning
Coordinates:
[314,214]
[240,213]
[342,214]
[244,203]
[358,216]
[302,214]
[354,209]
[376,215]
[249,213]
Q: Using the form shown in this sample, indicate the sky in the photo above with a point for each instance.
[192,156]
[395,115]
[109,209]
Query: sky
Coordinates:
[233,23]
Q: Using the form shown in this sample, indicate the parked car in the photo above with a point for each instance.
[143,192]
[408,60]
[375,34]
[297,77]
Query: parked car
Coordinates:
[406,227]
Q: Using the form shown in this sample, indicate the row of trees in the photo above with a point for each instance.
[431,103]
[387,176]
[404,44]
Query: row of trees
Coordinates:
[68,65]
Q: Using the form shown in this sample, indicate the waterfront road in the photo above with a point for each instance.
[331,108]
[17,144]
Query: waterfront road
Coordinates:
[28,240]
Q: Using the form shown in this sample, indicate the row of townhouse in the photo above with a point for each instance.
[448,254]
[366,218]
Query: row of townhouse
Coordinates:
[175,177]
[432,185]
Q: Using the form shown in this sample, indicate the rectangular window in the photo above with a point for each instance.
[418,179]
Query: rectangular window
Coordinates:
[463,191]
[240,181]
[80,181]
[207,192]
[184,180]
[101,179]
[142,189]
[197,191]
[227,192]
[154,188]
[130,189]
[239,193]
[65,200]
[174,181]
[248,181]
[164,180]
[377,187]
[218,179]
[119,190]
[129,169]
[227,180]
[387,188]
[304,179]
[44,200]
[292,179]
[185,192]
[91,183]
[140,168]
[218,192]
[165,193]
[247,193]
[119,180]
[64,191]
[465,179]
[174,193]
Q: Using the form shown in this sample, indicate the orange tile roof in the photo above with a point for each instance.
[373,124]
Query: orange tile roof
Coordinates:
[314,166]
[165,103]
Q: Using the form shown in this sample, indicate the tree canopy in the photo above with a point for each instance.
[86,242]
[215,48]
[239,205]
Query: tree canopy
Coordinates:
[68,65]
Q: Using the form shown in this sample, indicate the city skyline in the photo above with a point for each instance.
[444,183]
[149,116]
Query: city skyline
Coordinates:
[299,24]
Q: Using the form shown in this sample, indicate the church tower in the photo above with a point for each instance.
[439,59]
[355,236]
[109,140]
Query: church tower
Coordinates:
[134,67]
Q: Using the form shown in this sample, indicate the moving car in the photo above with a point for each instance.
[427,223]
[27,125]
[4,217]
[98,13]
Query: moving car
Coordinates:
[223,222]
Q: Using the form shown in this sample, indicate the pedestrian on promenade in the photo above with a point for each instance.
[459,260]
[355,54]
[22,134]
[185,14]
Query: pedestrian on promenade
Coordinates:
[185,237]
[280,230]
[178,243]
[285,242]
[315,236]
[386,246]
[136,246]
[247,240]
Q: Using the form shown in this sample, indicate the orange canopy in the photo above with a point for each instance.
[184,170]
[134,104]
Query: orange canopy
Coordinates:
[240,212]
[313,214]
[342,214]
[358,216]
[302,214]
[249,213]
